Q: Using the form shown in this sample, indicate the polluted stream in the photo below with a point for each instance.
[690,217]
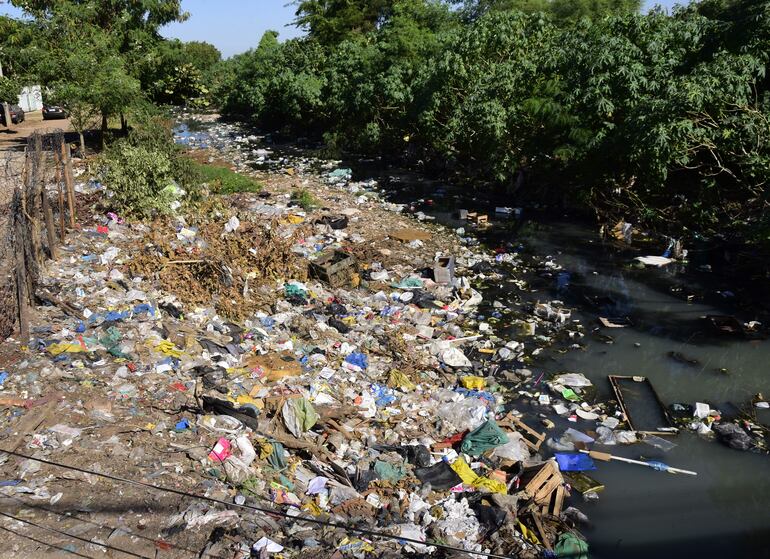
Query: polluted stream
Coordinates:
[641,512]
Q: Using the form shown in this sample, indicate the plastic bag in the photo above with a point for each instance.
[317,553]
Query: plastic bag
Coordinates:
[515,449]
[455,358]
[299,416]
[489,435]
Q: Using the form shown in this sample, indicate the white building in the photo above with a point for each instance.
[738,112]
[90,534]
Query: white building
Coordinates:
[31,99]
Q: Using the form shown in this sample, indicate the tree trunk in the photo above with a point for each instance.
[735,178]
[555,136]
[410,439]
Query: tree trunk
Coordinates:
[82,145]
[123,123]
[7,115]
[104,129]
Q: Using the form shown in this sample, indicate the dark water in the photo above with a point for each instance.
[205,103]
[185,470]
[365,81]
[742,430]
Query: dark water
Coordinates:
[725,510]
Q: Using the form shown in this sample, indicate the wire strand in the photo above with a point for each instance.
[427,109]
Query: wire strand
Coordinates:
[63,533]
[364,531]
[28,537]
[72,515]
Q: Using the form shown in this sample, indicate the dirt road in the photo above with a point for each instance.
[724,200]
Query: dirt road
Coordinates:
[16,138]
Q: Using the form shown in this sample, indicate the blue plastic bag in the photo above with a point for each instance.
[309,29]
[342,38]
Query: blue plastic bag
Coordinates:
[574,462]
[383,396]
[360,360]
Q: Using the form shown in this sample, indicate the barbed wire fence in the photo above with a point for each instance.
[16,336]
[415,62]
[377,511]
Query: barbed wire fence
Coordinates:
[37,207]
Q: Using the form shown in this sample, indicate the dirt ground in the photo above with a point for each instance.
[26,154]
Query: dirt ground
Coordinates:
[16,138]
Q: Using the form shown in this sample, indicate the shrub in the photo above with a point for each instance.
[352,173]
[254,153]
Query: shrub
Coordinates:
[304,199]
[140,180]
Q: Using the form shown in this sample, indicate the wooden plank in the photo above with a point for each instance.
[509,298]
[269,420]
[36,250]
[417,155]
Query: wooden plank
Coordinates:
[532,438]
[544,492]
[27,425]
[34,186]
[543,534]
[558,501]
[618,391]
[539,479]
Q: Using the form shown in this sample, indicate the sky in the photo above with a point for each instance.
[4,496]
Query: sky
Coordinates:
[235,26]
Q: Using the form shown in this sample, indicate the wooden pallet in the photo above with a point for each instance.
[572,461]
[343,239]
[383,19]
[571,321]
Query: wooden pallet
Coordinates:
[532,438]
[546,488]
[334,267]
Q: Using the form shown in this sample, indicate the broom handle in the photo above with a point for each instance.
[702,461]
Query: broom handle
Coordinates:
[607,457]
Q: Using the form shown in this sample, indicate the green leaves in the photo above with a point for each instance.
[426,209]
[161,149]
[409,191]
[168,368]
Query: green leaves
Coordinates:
[658,117]
[9,90]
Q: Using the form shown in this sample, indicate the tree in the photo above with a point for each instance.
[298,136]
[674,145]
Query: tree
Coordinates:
[561,10]
[332,21]
[83,72]
[9,89]
[204,56]
[126,29]
[178,73]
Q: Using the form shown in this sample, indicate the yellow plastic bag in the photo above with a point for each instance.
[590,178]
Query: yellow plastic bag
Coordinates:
[397,379]
[64,347]
[168,349]
[528,534]
[473,383]
[469,477]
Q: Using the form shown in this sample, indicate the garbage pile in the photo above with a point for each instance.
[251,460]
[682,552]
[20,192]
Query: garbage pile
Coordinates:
[344,380]
[326,364]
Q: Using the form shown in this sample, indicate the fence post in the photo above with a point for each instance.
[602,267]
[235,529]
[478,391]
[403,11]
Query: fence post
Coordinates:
[25,236]
[69,180]
[49,226]
[33,196]
[58,178]
[22,294]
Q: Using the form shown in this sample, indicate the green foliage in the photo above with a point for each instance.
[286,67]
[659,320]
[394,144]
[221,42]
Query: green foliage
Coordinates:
[276,84]
[204,56]
[9,90]
[222,180]
[563,11]
[140,180]
[146,172]
[663,119]
[332,21]
[178,73]
[304,199]
[90,54]
[91,80]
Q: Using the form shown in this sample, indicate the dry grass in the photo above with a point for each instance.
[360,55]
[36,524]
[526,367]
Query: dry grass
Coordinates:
[234,272]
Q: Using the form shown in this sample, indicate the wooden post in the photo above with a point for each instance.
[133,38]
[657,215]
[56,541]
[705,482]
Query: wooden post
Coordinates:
[33,197]
[57,164]
[22,294]
[49,226]
[7,116]
[69,180]
[24,239]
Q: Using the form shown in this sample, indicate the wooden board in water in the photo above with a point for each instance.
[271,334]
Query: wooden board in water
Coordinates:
[641,405]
